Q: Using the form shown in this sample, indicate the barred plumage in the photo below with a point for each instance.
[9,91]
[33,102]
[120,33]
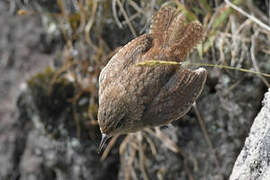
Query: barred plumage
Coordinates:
[134,97]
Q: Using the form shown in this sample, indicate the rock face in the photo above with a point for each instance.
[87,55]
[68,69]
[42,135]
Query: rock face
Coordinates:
[254,160]
[26,151]
[19,50]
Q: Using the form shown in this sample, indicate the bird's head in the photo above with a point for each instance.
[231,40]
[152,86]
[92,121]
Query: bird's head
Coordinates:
[111,116]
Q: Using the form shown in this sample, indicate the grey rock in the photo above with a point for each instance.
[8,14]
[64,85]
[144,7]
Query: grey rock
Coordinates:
[20,56]
[254,160]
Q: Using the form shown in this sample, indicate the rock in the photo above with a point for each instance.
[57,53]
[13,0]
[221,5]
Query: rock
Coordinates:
[53,147]
[28,150]
[20,56]
[254,160]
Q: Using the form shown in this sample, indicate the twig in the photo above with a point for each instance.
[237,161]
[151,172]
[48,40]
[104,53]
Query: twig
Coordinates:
[184,64]
[233,86]
[253,58]
[171,146]
[135,6]
[245,23]
[127,19]
[152,145]
[235,42]
[76,118]
[132,18]
[124,143]
[141,156]
[169,143]
[254,19]
[229,35]
[109,147]
[115,14]
[205,134]
[190,177]
[89,25]
[257,11]
[127,165]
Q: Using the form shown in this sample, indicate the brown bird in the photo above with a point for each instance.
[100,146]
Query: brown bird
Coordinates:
[133,97]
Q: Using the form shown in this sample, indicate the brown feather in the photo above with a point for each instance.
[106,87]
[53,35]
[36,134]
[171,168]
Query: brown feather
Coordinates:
[134,97]
[182,45]
[161,23]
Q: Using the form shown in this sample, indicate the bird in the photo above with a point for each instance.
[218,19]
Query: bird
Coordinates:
[131,97]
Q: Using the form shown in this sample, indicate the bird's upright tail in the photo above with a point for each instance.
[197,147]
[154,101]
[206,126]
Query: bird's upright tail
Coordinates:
[173,31]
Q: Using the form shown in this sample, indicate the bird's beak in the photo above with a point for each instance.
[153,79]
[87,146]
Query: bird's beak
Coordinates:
[104,138]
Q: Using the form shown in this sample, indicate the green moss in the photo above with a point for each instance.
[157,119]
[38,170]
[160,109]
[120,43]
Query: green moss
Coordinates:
[53,100]
[52,97]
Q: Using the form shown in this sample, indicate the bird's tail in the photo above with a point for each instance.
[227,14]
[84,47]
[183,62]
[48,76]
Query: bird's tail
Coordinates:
[172,30]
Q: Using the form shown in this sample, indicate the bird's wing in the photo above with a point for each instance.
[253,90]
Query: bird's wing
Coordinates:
[176,96]
[128,55]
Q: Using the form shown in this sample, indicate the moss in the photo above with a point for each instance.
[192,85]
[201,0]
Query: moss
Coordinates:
[53,99]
